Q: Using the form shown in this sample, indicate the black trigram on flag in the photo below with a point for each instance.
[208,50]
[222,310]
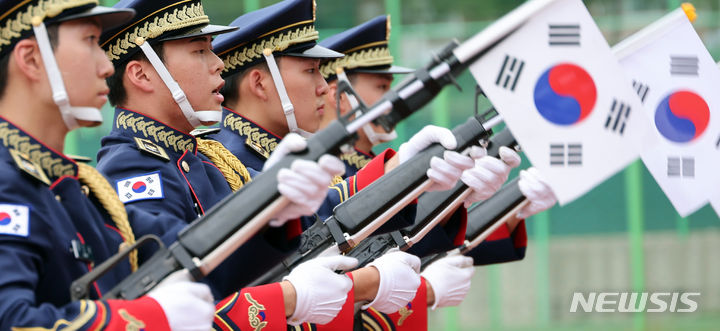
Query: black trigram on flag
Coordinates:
[717,144]
[641,89]
[684,65]
[565,155]
[617,117]
[681,167]
[509,73]
[564,35]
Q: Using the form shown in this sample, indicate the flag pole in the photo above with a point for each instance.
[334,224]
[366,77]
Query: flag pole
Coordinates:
[636,219]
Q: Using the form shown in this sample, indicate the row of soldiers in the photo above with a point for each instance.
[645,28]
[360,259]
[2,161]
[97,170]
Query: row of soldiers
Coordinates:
[267,82]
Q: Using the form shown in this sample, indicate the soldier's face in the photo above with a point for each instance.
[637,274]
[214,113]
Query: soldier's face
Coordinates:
[370,88]
[306,88]
[197,69]
[83,63]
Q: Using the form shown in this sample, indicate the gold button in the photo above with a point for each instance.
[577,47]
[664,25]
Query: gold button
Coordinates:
[85,190]
[58,198]
[185,166]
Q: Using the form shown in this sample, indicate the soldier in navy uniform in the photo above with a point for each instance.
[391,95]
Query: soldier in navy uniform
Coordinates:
[58,217]
[368,67]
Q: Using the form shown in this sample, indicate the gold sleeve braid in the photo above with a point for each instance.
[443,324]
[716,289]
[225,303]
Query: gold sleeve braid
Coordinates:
[336,180]
[232,169]
[108,198]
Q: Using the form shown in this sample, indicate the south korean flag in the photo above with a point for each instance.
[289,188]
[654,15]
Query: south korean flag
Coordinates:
[678,82]
[14,220]
[142,187]
[565,98]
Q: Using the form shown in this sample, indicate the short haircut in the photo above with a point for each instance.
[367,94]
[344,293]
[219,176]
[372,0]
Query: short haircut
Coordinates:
[52,31]
[118,94]
[232,83]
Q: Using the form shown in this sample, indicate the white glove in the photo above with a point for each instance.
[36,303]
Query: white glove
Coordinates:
[306,183]
[399,281]
[178,295]
[450,279]
[534,188]
[443,172]
[321,293]
[489,173]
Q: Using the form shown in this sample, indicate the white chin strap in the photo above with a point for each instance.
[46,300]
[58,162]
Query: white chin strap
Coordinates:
[374,137]
[69,113]
[287,105]
[196,118]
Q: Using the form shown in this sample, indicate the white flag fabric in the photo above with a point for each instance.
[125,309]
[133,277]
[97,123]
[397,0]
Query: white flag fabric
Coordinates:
[678,81]
[563,95]
[715,202]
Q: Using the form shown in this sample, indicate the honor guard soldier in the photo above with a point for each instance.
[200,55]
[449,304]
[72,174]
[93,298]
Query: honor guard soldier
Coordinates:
[59,218]
[167,82]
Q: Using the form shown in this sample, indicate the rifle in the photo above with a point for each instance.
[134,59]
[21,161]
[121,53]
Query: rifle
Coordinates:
[485,217]
[433,207]
[363,213]
[209,240]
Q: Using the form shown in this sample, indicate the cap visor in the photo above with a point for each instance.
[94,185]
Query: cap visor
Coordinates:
[390,70]
[109,17]
[317,52]
[203,31]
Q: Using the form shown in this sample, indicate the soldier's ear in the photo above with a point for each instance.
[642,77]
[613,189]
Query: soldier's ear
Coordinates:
[28,59]
[137,74]
[331,94]
[258,83]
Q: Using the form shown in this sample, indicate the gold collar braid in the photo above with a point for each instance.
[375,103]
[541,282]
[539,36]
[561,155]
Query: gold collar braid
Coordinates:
[108,198]
[232,169]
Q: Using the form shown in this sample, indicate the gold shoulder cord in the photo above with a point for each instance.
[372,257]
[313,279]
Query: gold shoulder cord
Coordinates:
[108,198]
[232,169]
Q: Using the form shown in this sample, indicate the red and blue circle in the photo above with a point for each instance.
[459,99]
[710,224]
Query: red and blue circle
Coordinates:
[5,219]
[139,187]
[565,94]
[682,116]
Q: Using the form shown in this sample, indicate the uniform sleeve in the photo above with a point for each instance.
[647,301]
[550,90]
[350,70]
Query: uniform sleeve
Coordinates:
[353,184]
[253,308]
[168,216]
[35,281]
[501,246]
